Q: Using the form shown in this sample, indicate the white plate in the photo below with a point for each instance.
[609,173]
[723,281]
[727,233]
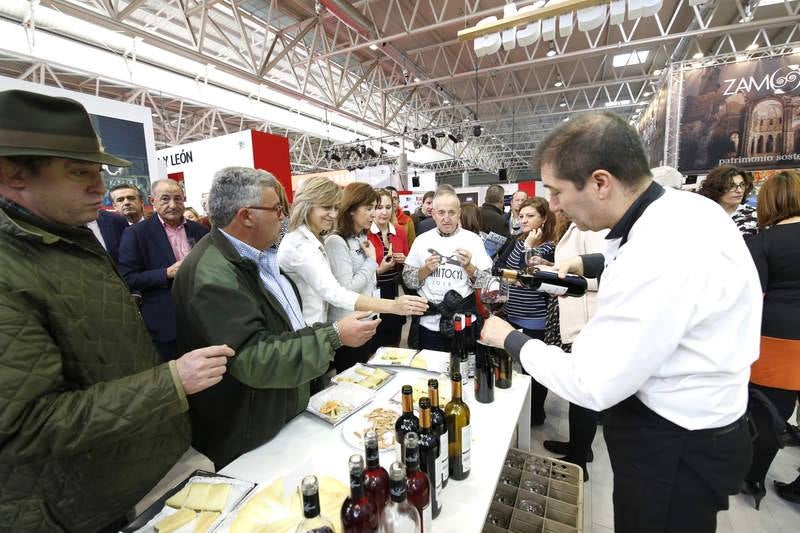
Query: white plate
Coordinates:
[360,423]
[239,489]
[350,397]
[355,375]
[389,356]
[420,386]
[432,361]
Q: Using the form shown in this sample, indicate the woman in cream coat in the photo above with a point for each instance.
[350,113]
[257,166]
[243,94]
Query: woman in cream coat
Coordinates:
[573,314]
[302,257]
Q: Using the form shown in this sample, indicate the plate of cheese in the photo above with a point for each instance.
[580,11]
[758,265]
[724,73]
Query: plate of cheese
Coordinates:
[275,508]
[420,390]
[364,376]
[198,506]
[390,356]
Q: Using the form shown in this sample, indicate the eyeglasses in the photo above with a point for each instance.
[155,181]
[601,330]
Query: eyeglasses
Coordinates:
[278,209]
[736,186]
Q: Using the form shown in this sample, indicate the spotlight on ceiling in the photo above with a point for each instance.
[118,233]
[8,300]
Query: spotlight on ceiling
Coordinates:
[335,156]
[452,137]
[417,144]
[439,135]
[371,152]
[477,130]
[424,138]
[551,51]
[327,155]
[433,143]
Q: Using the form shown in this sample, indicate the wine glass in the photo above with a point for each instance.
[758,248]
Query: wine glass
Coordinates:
[494,294]
[533,260]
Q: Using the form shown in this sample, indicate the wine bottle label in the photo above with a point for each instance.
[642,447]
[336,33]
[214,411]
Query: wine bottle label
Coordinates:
[444,445]
[471,363]
[466,446]
[555,290]
[464,370]
[427,519]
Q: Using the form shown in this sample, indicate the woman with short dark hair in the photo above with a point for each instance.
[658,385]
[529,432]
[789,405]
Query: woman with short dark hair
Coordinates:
[776,373]
[729,187]
[471,218]
[353,260]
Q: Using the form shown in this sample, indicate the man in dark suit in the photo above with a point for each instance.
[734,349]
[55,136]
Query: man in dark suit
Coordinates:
[150,255]
[492,219]
[110,227]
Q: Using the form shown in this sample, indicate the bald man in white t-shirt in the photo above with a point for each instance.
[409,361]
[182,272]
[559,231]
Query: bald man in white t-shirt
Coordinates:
[443,260]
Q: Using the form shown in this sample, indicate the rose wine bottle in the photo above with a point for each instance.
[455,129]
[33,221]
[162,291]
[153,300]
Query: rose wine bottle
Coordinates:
[358,512]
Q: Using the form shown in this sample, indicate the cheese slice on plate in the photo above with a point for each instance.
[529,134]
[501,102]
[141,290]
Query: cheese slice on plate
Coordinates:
[177,499]
[175,521]
[204,521]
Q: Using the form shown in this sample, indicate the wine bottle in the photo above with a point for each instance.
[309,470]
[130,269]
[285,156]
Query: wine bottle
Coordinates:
[312,521]
[429,455]
[471,350]
[459,433]
[358,512]
[399,516]
[505,368]
[405,422]
[547,281]
[484,373]
[418,486]
[456,345]
[439,425]
[376,479]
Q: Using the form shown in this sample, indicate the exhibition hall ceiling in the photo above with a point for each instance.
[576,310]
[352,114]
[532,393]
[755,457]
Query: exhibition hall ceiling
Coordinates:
[379,68]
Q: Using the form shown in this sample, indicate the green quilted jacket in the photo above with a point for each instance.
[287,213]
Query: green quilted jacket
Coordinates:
[89,419]
[220,299]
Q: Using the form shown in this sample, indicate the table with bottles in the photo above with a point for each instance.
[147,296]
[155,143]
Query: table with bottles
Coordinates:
[308,445]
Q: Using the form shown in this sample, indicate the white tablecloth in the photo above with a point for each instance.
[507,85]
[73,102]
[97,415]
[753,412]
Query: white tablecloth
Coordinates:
[308,445]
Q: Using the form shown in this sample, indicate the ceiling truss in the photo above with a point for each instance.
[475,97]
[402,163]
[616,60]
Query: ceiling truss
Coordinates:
[407,73]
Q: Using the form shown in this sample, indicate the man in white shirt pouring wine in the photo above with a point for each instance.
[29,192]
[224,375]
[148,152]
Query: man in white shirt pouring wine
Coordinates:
[668,352]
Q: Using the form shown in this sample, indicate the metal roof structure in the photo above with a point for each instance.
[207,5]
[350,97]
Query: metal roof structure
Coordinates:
[379,73]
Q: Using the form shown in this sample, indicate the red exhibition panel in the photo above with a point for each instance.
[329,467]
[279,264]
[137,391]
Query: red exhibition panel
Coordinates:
[271,153]
[529,187]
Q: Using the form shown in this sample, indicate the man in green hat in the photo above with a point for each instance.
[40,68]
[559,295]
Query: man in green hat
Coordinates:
[89,418]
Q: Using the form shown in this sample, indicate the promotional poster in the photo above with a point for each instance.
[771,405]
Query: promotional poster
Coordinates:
[653,126]
[745,114]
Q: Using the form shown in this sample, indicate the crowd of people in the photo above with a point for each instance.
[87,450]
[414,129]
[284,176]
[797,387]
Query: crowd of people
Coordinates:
[124,338]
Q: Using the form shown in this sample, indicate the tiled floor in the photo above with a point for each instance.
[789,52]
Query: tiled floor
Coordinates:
[776,515]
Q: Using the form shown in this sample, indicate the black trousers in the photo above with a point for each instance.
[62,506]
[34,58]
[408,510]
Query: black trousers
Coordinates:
[390,330]
[433,340]
[347,356]
[167,350]
[582,428]
[765,445]
[667,478]
[539,391]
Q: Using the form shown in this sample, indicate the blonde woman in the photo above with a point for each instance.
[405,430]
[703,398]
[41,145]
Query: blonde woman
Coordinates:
[302,257]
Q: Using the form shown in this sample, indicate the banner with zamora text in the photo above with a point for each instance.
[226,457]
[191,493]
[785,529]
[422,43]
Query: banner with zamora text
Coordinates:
[745,114]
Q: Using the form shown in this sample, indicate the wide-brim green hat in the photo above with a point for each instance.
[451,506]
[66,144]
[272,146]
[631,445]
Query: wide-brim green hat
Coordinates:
[34,124]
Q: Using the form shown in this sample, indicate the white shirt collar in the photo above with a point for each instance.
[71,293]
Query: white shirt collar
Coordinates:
[375,229]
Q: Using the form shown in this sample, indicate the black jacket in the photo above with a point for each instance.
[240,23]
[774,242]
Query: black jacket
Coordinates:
[492,219]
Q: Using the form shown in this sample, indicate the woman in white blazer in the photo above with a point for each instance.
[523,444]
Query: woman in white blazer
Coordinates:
[303,258]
